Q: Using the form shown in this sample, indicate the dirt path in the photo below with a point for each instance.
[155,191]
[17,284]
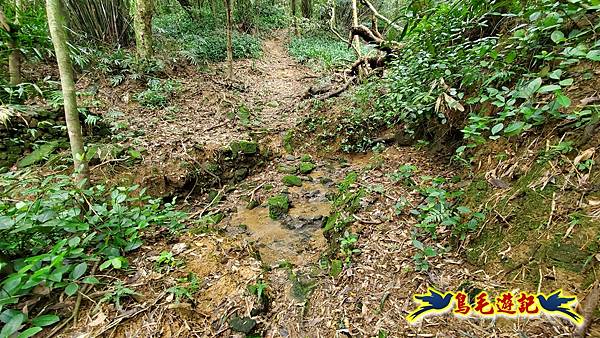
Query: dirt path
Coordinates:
[209,110]
[208,294]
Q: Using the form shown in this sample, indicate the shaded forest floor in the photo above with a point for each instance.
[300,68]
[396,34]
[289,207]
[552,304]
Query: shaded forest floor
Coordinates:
[232,248]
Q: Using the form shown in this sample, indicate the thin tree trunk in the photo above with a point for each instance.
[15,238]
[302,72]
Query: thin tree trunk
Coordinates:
[229,11]
[355,41]
[59,40]
[294,18]
[142,24]
[14,58]
[14,62]
[306,7]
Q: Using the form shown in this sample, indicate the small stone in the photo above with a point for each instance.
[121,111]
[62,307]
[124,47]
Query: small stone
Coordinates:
[179,248]
[242,324]
[287,169]
[290,157]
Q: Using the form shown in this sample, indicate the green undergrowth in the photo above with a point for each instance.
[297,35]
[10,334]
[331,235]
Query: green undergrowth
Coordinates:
[320,51]
[342,242]
[202,41]
[473,71]
[55,233]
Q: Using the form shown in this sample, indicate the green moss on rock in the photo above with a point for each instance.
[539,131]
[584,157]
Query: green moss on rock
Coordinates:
[278,206]
[292,181]
[245,147]
[307,167]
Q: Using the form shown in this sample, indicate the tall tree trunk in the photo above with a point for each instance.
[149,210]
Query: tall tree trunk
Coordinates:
[14,58]
[142,24]
[306,7]
[213,10]
[59,40]
[355,41]
[229,11]
[294,18]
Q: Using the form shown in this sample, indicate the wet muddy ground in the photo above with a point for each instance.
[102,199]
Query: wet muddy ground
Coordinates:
[208,292]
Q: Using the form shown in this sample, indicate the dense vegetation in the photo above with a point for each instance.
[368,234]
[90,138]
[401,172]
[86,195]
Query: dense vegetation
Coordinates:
[502,93]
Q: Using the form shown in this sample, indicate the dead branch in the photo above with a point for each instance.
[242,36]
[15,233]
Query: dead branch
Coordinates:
[376,13]
[368,36]
[336,92]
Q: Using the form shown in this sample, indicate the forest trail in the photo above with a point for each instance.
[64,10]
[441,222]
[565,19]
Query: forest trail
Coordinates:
[213,111]
[233,246]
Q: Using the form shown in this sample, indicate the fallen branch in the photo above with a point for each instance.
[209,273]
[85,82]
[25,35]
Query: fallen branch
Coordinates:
[336,92]
[368,36]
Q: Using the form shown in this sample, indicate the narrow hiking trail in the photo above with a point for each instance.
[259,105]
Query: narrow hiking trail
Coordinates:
[205,293]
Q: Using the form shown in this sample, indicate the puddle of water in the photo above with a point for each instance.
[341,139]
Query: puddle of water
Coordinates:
[279,243]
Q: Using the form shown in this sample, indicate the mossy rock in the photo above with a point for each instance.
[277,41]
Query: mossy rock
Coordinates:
[306,158]
[287,169]
[278,206]
[242,324]
[245,147]
[292,181]
[307,167]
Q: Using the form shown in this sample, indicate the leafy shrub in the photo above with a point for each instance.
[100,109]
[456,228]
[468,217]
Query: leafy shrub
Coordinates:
[483,70]
[158,94]
[121,64]
[51,230]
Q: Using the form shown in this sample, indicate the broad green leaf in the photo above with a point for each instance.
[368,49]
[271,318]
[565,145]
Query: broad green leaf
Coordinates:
[563,100]
[30,332]
[429,252]
[566,82]
[593,55]
[73,242]
[13,325]
[105,265]
[548,88]
[7,315]
[91,280]
[45,320]
[497,128]
[71,289]
[510,57]
[514,128]
[555,74]
[417,244]
[557,36]
[11,283]
[116,262]
[531,88]
[79,270]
